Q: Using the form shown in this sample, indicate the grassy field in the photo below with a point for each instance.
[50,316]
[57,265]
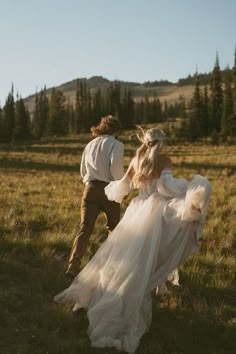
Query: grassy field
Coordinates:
[40,192]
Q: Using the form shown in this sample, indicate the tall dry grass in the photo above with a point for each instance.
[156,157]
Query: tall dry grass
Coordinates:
[40,190]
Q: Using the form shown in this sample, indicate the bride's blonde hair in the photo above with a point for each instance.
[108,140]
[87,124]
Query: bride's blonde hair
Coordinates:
[147,166]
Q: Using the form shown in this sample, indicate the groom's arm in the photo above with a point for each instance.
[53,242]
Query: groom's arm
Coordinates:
[82,165]
[116,162]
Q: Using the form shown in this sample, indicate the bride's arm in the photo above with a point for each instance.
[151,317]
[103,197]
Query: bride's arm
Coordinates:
[194,194]
[169,186]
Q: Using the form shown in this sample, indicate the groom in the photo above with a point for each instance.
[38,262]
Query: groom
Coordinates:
[101,163]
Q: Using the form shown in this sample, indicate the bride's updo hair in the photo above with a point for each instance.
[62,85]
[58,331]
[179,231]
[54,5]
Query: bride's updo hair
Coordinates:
[108,125]
[147,166]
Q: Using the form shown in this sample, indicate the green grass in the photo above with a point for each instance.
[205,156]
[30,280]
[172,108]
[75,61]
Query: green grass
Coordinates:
[40,190]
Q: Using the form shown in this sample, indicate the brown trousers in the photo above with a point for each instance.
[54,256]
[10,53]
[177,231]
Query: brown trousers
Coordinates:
[93,201]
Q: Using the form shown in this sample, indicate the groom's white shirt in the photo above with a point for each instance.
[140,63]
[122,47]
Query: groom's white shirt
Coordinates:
[102,159]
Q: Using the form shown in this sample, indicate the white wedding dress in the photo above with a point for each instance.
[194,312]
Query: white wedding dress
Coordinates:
[159,230]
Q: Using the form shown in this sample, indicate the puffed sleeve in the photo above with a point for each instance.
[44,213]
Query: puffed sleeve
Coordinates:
[196,203]
[197,199]
[169,186]
[117,190]
[189,199]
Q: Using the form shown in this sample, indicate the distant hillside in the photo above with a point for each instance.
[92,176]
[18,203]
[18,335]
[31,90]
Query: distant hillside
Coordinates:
[165,90]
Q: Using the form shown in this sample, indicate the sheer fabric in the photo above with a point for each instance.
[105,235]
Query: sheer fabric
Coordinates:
[159,230]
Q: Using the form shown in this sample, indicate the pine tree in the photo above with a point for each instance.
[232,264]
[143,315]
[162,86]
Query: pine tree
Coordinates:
[57,123]
[165,111]
[70,116]
[77,108]
[216,98]
[44,110]
[97,107]
[41,114]
[36,120]
[232,118]
[88,110]
[234,82]
[182,131]
[22,128]
[147,110]
[1,125]
[8,119]
[182,108]
[158,110]
[205,113]
[155,111]
[114,105]
[227,103]
[139,112]
[127,114]
[195,115]
[83,107]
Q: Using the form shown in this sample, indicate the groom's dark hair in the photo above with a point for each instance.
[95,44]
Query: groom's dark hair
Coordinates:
[108,125]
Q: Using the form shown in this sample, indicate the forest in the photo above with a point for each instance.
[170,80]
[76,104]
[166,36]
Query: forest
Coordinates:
[211,111]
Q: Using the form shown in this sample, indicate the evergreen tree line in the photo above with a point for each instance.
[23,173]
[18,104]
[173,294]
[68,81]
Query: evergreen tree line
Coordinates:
[15,122]
[58,116]
[211,111]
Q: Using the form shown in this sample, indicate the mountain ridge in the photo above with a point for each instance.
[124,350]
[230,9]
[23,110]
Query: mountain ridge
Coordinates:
[163,89]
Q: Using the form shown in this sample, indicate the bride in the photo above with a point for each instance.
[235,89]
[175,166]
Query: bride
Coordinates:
[159,230]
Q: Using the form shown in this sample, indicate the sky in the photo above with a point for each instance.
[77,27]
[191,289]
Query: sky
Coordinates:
[50,42]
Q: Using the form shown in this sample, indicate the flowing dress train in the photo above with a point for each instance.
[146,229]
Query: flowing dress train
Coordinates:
[159,230]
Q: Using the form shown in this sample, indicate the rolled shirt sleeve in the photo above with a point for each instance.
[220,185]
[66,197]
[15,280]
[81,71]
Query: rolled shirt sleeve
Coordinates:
[82,166]
[116,161]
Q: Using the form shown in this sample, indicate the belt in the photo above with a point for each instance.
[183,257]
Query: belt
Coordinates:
[97,181]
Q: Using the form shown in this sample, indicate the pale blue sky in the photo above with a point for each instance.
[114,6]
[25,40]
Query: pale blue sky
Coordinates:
[49,42]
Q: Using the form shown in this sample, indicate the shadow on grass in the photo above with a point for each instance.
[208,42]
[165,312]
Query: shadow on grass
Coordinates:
[188,332]
[44,141]
[207,295]
[20,164]
[30,320]
[206,166]
[29,279]
[61,150]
